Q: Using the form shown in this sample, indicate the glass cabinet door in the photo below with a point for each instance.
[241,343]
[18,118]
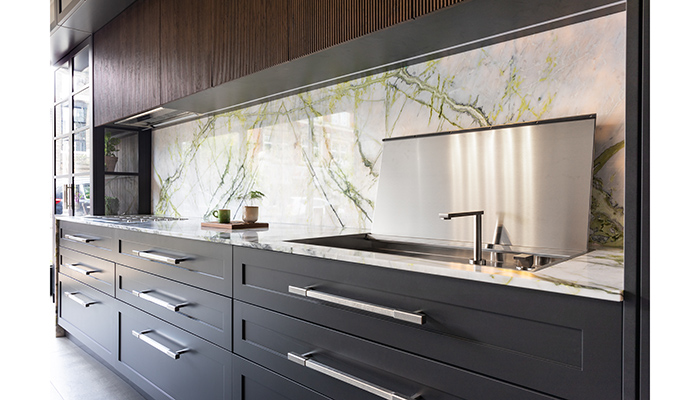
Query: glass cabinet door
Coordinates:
[72,134]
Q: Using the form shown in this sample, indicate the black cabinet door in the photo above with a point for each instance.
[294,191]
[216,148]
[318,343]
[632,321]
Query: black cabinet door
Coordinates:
[169,363]
[343,366]
[198,311]
[253,382]
[563,345]
[89,315]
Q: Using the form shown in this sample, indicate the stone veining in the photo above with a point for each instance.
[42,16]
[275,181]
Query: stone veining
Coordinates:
[319,152]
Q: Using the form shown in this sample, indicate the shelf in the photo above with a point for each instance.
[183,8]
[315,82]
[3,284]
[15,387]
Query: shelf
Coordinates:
[121,174]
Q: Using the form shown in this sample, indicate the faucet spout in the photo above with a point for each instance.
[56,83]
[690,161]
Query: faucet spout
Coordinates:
[478,260]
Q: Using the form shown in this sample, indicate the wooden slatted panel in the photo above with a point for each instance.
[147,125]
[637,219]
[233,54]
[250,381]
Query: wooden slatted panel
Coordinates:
[127,63]
[106,71]
[427,6]
[316,25]
[140,52]
[186,37]
[249,36]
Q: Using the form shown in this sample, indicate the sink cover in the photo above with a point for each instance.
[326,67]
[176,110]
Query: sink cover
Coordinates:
[493,256]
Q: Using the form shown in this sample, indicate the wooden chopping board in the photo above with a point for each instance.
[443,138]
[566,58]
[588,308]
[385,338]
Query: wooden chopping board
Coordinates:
[235,225]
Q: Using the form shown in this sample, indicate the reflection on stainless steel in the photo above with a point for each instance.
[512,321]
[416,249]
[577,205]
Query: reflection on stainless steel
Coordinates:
[477,260]
[133,219]
[516,259]
[532,180]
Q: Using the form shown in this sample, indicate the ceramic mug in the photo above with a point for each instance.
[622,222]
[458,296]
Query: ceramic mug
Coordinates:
[223,215]
[250,214]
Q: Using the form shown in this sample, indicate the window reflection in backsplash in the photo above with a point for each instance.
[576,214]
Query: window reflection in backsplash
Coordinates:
[316,155]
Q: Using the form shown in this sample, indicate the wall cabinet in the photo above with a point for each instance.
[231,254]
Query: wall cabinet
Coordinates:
[127,63]
[249,36]
[186,36]
[160,51]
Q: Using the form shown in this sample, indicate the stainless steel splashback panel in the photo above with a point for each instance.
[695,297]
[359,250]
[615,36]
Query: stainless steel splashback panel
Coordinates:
[533,179]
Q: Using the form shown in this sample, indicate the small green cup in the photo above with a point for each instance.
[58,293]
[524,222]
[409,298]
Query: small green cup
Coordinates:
[223,215]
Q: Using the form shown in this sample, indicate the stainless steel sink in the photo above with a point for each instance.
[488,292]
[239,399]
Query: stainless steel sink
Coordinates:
[492,255]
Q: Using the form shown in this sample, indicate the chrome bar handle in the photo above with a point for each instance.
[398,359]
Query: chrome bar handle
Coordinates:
[144,295]
[344,377]
[72,296]
[75,267]
[175,355]
[80,239]
[414,318]
[149,255]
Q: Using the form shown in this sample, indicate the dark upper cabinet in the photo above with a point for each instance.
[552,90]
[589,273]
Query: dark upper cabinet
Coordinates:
[249,36]
[316,25]
[159,51]
[423,7]
[127,63]
[186,36]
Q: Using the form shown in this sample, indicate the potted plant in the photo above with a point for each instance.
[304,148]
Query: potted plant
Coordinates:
[250,211]
[111,205]
[111,152]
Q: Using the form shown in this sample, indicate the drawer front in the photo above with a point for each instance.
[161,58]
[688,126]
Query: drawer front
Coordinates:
[203,313]
[89,315]
[90,239]
[167,362]
[253,382]
[529,338]
[342,366]
[90,270]
[198,263]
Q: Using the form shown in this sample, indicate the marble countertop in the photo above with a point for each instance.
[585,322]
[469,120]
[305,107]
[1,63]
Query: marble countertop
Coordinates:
[597,274]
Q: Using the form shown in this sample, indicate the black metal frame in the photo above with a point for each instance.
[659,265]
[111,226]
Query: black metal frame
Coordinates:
[99,174]
[635,345]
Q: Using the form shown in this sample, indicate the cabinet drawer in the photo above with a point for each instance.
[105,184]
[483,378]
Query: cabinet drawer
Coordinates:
[198,263]
[90,270]
[253,382]
[203,313]
[342,366]
[89,315]
[167,362]
[562,345]
[90,239]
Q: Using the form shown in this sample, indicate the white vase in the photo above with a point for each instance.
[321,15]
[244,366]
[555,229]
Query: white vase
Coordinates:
[250,214]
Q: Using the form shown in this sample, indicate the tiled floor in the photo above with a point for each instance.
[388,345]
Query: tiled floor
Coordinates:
[75,375]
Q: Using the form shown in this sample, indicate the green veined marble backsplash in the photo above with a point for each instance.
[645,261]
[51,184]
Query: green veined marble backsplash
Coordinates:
[317,155]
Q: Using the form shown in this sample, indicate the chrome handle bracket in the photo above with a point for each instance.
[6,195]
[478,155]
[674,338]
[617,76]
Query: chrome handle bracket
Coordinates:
[415,318]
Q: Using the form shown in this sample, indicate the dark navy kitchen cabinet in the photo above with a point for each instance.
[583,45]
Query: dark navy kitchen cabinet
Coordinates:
[561,345]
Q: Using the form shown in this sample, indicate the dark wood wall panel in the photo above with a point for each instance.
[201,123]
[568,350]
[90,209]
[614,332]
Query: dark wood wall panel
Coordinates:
[127,63]
[249,36]
[186,40]
[140,76]
[106,73]
[316,25]
[427,6]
